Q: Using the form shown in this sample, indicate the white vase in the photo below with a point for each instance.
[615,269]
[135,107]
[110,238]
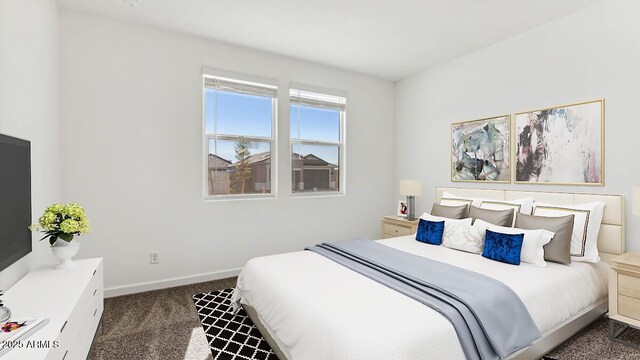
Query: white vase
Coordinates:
[5,314]
[64,251]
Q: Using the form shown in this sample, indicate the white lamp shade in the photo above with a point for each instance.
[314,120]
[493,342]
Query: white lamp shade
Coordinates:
[636,201]
[411,187]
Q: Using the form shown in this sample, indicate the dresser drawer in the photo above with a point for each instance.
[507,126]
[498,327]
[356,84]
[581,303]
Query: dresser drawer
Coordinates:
[95,287]
[629,307]
[629,286]
[74,327]
[395,230]
[79,349]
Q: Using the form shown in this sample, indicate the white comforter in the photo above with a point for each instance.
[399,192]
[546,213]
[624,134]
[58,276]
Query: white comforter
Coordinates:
[317,309]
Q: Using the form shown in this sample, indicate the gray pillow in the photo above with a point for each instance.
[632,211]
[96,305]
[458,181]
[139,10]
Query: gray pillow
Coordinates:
[451,212]
[496,217]
[558,250]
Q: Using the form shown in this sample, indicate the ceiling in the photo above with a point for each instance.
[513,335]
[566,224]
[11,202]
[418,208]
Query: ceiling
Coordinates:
[391,39]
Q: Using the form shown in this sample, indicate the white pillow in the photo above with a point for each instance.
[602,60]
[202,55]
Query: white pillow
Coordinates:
[464,236]
[532,245]
[448,199]
[524,205]
[586,227]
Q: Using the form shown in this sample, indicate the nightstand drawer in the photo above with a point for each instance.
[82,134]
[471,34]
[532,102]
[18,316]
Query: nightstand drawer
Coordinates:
[629,307]
[629,286]
[395,230]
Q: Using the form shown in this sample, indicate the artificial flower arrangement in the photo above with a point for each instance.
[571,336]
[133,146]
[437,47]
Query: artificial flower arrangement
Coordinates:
[62,221]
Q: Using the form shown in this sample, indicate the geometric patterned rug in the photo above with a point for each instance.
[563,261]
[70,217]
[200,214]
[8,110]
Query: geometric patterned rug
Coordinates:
[230,337]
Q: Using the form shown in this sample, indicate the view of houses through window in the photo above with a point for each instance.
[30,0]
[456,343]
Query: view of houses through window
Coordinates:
[239,120]
[239,133]
[316,141]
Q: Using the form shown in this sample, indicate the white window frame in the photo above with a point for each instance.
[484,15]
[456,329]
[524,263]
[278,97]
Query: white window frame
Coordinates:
[341,144]
[209,75]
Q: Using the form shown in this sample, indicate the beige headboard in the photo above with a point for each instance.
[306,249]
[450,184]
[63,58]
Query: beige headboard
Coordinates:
[611,240]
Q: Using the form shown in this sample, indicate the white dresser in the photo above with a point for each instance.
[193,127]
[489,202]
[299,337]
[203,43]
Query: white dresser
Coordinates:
[72,300]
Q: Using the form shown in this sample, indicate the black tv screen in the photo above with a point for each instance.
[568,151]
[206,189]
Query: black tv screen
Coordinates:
[15,199]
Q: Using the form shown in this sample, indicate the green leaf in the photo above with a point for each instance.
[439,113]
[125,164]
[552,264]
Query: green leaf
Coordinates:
[53,239]
[66,237]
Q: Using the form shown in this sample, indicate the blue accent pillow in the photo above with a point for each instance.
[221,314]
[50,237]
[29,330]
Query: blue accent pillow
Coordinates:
[505,248]
[430,232]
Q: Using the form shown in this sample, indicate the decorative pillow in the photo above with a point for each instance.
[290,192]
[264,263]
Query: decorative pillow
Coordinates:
[464,236]
[446,220]
[452,212]
[449,199]
[430,232]
[524,205]
[496,217]
[558,250]
[532,245]
[586,227]
[505,248]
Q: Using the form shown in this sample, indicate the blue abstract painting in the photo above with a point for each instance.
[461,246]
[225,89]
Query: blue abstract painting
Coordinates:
[480,150]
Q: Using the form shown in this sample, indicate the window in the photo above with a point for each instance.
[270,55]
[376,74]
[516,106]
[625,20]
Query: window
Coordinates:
[317,141]
[239,137]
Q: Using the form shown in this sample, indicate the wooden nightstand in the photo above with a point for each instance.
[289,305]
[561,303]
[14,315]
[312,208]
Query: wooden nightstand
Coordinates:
[392,226]
[624,294]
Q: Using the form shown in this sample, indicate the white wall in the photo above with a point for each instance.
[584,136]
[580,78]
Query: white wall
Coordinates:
[588,55]
[132,150]
[29,70]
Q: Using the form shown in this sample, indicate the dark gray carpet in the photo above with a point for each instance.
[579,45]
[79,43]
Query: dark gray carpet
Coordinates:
[593,343]
[160,324]
[163,324]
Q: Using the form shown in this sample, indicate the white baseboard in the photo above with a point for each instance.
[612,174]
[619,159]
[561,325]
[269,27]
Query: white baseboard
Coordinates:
[168,283]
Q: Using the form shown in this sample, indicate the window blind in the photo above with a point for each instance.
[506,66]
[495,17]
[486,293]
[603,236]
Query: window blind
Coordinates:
[309,98]
[242,87]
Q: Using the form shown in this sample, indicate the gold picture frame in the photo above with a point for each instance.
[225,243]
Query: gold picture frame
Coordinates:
[561,145]
[464,167]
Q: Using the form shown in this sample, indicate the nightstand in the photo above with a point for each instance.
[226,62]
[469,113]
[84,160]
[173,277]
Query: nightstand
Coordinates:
[392,226]
[624,294]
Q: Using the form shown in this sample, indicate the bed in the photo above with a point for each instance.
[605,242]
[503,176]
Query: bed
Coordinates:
[309,307]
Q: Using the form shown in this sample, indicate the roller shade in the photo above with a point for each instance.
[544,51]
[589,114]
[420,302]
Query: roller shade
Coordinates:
[314,99]
[242,87]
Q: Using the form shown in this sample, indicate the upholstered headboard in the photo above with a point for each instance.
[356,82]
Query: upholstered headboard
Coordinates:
[611,241]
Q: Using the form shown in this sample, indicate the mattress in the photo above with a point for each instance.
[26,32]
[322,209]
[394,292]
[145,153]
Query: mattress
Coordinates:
[314,308]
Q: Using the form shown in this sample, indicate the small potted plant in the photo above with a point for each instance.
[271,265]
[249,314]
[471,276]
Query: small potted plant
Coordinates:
[5,313]
[61,223]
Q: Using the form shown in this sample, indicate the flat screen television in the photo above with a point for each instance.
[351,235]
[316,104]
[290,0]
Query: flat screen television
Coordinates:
[15,199]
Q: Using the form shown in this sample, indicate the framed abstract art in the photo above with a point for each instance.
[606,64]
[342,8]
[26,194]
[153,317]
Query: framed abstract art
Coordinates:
[561,145]
[480,150]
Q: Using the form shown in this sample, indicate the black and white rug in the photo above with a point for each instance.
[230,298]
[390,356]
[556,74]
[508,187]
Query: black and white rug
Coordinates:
[230,337]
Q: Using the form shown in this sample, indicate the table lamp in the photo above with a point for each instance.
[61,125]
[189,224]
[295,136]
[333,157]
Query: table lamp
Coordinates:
[636,201]
[411,188]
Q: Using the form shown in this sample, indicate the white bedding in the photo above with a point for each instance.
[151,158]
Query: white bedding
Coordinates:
[317,309]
